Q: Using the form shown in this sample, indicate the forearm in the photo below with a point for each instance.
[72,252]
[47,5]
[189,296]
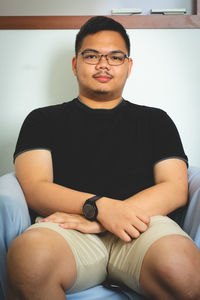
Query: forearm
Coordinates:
[128,218]
[160,199]
[46,198]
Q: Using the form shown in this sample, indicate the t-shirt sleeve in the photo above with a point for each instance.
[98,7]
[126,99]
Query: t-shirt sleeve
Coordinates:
[166,138]
[34,133]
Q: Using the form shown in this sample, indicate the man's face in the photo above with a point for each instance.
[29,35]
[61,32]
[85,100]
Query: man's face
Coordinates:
[102,81]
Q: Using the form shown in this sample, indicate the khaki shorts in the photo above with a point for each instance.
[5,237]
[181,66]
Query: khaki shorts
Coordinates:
[104,256]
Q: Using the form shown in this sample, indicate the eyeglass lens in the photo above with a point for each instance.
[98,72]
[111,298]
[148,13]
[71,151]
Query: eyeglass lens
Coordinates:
[94,58]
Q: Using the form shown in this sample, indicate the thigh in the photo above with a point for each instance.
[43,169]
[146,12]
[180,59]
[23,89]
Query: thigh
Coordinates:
[126,259]
[89,252]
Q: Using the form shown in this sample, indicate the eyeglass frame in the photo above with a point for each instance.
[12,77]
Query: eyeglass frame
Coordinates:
[105,55]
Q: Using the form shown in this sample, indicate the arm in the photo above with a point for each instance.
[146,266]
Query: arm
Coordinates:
[62,205]
[170,190]
[168,193]
[34,171]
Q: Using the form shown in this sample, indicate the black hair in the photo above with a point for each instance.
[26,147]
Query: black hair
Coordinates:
[99,23]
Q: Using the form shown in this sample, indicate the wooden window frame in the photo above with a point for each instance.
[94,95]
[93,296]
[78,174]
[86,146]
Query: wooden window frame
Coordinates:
[128,21]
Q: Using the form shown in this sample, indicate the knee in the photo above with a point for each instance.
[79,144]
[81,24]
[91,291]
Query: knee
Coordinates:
[29,258]
[179,270]
[182,280]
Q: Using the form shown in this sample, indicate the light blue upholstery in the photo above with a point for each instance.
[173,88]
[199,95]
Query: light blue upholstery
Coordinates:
[192,218]
[14,219]
[101,293]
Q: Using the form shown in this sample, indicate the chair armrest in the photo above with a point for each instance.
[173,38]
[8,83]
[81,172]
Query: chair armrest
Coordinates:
[9,186]
[192,218]
[14,213]
[99,292]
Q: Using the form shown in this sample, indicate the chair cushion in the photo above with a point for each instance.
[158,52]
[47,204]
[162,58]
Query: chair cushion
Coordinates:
[101,293]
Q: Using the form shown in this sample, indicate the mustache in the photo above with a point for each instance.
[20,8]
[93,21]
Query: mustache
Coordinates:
[102,74]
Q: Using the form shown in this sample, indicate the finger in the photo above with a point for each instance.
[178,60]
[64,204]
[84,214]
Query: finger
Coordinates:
[132,232]
[46,219]
[140,225]
[42,220]
[123,235]
[89,227]
[76,226]
[68,225]
[144,218]
[53,219]
[57,217]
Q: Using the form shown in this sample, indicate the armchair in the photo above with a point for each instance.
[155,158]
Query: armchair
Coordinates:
[15,219]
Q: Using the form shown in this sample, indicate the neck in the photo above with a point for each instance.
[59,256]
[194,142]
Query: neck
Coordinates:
[100,104]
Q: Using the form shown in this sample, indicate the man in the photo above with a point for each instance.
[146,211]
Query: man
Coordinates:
[128,161]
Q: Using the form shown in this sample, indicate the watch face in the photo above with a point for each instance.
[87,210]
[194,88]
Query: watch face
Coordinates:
[89,211]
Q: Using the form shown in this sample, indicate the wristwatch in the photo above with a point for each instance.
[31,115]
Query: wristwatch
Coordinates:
[90,210]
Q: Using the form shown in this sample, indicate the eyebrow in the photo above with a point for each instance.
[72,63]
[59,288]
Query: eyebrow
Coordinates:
[94,50]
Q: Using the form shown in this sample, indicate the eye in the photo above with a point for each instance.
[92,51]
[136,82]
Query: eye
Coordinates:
[90,56]
[117,57]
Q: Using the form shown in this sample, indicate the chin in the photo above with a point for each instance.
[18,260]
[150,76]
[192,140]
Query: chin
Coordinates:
[103,95]
[100,92]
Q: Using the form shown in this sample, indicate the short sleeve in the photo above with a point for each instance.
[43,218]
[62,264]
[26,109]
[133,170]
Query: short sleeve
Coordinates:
[165,137]
[34,133]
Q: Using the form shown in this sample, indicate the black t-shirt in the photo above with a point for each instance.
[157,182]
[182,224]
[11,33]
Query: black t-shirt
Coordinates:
[109,152]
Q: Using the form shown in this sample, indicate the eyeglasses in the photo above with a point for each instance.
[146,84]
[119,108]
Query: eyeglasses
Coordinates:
[114,58]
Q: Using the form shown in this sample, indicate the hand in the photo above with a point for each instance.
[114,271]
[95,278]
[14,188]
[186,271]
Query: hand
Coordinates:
[73,221]
[122,218]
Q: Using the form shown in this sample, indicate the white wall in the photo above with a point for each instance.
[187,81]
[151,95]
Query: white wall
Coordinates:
[86,7]
[35,70]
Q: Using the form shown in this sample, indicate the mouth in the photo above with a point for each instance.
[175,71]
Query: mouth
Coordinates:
[103,77]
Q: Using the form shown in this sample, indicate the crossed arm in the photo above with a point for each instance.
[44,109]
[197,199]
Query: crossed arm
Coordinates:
[126,219]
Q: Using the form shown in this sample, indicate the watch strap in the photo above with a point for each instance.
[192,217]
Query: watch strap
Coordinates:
[94,198]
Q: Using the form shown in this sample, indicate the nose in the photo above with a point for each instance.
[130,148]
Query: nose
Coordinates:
[103,62]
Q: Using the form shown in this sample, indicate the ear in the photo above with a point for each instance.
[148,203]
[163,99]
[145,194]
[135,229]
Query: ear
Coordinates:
[130,66]
[74,65]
